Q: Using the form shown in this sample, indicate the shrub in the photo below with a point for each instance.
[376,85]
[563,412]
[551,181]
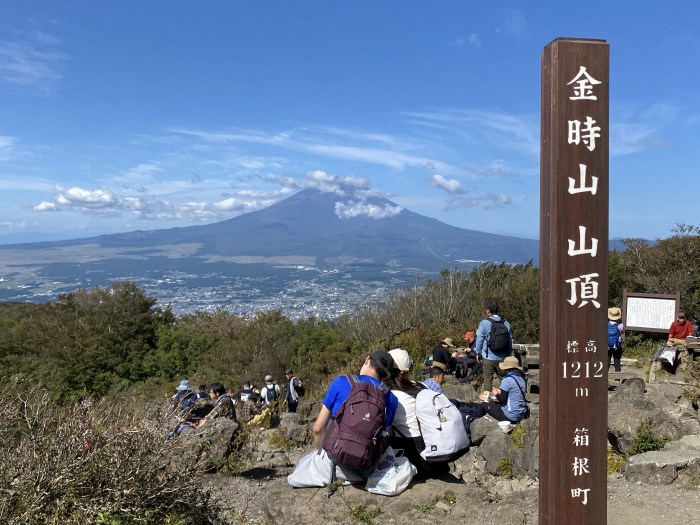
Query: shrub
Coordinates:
[518,434]
[646,440]
[615,461]
[692,376]
[364,515]
[94,462]
[505,467]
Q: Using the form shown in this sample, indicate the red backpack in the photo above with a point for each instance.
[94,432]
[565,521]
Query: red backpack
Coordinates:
[356,436]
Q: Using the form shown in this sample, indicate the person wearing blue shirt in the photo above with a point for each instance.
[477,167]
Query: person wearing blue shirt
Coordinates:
[511,395]
[378,366]
[314,469]
[490,359]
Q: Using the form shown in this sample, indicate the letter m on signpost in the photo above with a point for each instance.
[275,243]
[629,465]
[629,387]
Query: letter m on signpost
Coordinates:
[574,282]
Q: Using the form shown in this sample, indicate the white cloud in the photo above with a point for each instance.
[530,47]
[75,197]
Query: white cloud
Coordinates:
[45,206]
[233,204]
[474,40]
[142,170]
[515,23]
[497,169]
[352,209]
[79,197]
[6,147]
[31,63]
[371,148]
[510,132]
[489,200]
[322,181]
[449,185]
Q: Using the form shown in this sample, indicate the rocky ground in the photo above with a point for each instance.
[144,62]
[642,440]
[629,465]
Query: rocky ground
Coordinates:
[472,493]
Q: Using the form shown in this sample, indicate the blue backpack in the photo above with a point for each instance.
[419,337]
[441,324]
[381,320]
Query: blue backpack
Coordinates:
[614,337]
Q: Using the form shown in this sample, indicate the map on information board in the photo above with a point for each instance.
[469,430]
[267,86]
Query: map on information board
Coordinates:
[650,313]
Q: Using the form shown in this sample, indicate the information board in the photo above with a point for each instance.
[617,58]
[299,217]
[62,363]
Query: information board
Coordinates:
[649,312]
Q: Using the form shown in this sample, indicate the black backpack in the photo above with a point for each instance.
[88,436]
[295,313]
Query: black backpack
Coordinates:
[299,389]
[499,339]
[271,393]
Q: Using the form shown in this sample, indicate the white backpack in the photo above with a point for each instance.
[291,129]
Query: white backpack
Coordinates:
[442,426]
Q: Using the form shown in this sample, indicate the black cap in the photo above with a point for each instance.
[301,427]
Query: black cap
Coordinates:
[384,360]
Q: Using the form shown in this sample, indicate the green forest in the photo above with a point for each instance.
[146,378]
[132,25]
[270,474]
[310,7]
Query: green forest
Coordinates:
[117,340]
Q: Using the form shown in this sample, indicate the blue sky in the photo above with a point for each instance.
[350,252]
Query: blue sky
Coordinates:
[132,115]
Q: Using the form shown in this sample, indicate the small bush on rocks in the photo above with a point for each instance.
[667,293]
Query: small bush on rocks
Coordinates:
[505,467]
[518,434]
[615,462]
[645,440]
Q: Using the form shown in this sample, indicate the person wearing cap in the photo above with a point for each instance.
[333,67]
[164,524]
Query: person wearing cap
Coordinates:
[405,421]
[407,435]
[183,390]
[680,329]
[291,396]
[270,392]
[313,468]
[443,353]
[616,332]
[470,363]
[490,359]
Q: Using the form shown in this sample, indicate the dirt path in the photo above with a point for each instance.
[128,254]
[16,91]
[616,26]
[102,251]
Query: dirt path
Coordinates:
[639,504]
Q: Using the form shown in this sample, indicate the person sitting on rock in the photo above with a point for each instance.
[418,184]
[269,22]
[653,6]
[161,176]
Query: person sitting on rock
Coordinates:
[471,364]
[436,377]
[680,329]
[507,403]
[182,391]
[407,435]
[314,469]
[223,405]
[444,354]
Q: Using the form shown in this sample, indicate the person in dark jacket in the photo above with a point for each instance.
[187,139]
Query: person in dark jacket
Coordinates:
[443,353]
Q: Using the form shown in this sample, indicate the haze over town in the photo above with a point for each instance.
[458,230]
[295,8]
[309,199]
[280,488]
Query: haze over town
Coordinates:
[148,115]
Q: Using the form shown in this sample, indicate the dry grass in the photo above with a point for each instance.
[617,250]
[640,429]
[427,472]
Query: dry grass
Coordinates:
[94,462]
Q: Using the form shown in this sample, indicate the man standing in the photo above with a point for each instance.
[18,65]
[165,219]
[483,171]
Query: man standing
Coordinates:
[270,392]
[494,342]
[291,397]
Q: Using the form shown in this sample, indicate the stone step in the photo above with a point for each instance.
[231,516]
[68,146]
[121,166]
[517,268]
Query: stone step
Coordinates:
[678,458]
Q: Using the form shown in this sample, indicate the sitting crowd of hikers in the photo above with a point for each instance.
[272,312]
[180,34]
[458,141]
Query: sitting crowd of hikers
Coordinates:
[248,405]
[382,428]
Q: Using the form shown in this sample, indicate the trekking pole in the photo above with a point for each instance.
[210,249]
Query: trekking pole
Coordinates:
[330,489]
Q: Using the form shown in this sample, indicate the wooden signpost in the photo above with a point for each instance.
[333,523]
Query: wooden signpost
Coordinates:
[574,282]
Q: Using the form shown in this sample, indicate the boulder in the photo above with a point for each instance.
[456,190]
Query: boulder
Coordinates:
[481,426]
[629,406]
[462,392]
[205,449]
[677,460]
[496,449]
[294,427]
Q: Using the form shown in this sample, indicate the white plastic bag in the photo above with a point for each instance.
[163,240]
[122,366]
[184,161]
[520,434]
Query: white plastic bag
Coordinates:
[314,470]
[392,476]
[669,356]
